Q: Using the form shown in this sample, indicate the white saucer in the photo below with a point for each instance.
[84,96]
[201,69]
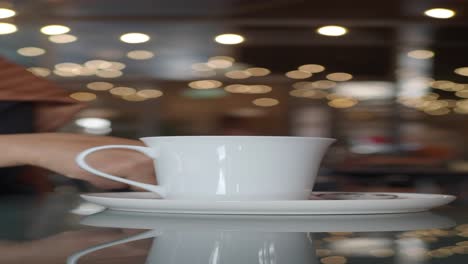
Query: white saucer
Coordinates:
[264,223]
[320,203]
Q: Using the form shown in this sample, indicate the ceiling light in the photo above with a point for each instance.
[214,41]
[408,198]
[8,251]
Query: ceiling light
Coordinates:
[62,39]
[229,39]
[332,31]
[134,38]
[6,13]
[312,68]
[441,13]
[140,54]
[265,102]
[30,51]
[7,28]
[55,30]
[421,54]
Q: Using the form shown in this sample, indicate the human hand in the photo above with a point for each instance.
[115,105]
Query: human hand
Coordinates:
[57,152]
[57,248]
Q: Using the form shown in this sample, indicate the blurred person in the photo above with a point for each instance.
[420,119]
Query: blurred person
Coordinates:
[30,107]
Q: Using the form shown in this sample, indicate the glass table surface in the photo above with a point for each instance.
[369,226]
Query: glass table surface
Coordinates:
[60,228]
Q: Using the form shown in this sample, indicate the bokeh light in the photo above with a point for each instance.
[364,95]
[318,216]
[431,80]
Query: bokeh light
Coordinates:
[339,76]
[332,31]
[237,88]
[311,68]
[7,28]
[462,71]
[122,91]
[39,71]
[100,86]
[134,98]
[229,39]
[440,13]
[265,102]
[342,102]
[323,84]
[297,74]
[31,51]
[421,54]
[55,29]
[150,93]
[6,13]
[220,62]
[205,84]
[98,64]
[83,96]
[237,74]
[134,38]
[63,39]
[258,71]
[140,54]
[109,73]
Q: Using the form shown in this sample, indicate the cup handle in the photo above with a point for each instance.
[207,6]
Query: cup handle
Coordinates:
[81,160]
[73,259]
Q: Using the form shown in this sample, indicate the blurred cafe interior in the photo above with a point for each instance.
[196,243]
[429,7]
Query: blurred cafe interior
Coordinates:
[387,79]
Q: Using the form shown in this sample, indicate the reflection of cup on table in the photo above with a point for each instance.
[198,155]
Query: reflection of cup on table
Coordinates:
[217,246]
[228,167]
[246,239]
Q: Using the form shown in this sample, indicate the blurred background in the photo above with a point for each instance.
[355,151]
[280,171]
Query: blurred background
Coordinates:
[388,79]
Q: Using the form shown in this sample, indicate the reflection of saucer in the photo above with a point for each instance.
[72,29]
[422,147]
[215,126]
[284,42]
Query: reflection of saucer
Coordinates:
[256,223]
[320,203]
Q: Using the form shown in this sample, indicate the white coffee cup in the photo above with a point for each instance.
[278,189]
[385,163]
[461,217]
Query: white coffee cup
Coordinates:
[227,167]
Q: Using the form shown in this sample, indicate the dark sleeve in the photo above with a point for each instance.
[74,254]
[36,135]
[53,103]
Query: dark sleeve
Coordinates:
[14,118]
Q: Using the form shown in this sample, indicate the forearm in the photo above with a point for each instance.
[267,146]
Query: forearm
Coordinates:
[14,150]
